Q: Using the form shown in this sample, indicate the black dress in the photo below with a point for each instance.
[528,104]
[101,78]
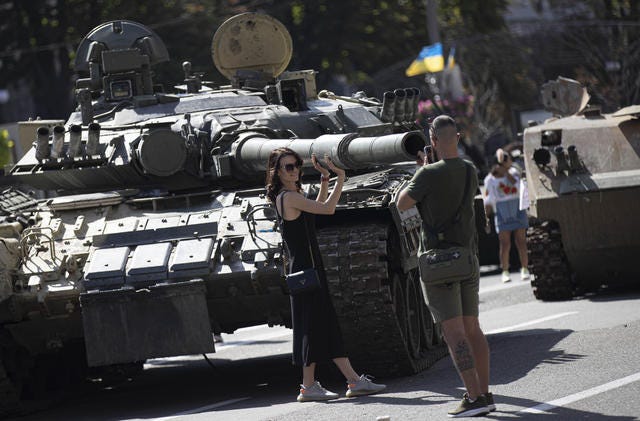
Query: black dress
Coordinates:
[316,333]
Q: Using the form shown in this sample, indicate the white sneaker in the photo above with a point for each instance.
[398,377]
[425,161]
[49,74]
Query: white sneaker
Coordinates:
[315,392]
[506,277]
[524,274]
[364,386]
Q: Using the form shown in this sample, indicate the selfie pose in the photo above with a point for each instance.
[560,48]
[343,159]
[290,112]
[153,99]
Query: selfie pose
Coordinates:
[316,333]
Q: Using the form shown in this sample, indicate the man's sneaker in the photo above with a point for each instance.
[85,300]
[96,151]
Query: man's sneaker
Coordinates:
[315,392]
[490,403]
[467,408]
[363,386]
[506,277]
[524,274]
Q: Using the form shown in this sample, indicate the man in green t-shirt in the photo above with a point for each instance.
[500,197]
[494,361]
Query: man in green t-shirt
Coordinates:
[437,190]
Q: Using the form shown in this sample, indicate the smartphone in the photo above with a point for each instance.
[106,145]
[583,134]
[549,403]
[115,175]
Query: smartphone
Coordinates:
[428,151]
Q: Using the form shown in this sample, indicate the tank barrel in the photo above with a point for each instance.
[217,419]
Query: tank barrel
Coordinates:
[58,141]
[75,140]
[348,151]
[42,143]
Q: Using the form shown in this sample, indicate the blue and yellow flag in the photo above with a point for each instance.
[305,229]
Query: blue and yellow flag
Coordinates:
[430,60]
[451,62]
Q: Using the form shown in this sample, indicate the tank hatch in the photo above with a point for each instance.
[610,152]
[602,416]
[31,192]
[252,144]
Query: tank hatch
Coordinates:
[564,96]
[119,35]
[252,42]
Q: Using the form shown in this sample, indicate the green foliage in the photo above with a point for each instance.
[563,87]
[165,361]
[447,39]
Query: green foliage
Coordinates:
[40,38]
[355,39]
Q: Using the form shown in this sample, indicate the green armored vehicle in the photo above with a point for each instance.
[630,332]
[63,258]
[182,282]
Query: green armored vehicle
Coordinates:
[583,175]
[153,231]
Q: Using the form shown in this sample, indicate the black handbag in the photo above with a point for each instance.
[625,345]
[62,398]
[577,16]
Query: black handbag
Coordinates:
[303,281]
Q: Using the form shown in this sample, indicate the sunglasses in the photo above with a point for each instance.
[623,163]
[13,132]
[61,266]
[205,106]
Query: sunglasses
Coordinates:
[291,167]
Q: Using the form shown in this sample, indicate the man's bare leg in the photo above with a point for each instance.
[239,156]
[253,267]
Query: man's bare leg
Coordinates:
[480,350]
[462,355]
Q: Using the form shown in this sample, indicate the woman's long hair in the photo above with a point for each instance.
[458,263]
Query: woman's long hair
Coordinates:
[272,181]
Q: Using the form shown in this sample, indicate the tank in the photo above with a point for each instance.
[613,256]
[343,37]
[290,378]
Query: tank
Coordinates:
[583,175]
[148,229]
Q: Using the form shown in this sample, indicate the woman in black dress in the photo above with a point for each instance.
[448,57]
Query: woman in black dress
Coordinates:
[316,333]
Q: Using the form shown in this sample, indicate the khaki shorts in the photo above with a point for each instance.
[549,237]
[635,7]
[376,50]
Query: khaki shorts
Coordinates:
[446,301]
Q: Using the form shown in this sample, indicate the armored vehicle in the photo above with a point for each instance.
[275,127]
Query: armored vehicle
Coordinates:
[151,230]
[583,175]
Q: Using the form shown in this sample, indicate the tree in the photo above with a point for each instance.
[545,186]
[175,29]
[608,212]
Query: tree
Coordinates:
[606,35]
[40,38]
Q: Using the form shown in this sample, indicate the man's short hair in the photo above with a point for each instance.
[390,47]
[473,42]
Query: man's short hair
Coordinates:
[441,122]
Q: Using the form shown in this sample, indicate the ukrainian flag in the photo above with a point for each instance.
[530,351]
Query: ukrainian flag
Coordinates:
[451,62]
[430,60]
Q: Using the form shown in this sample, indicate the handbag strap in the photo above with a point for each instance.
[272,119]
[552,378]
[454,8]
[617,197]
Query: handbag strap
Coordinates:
[281,224]
[438,232]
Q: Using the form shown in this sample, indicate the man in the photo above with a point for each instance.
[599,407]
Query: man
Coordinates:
[438,189]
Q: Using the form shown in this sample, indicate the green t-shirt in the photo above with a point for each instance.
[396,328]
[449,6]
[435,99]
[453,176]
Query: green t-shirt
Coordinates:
[438,189]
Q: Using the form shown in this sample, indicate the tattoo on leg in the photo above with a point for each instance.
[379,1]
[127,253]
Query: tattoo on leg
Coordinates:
[462,356]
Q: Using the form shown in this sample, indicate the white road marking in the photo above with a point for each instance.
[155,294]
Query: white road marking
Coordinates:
[201,409]
[266,336]
[539,409]
[500,287]
[531,322]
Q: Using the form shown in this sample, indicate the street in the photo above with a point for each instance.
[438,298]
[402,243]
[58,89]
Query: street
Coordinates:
[569,360]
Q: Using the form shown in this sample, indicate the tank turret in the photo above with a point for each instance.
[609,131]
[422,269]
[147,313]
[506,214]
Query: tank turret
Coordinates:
[152,213]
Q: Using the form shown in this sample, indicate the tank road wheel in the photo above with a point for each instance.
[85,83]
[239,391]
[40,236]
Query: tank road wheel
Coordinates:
[400,309]
[14,370]
[413,310]
[548,263]
[427,327]
[370,296]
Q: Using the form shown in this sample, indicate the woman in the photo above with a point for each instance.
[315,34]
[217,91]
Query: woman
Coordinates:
[316,333]
[502,196]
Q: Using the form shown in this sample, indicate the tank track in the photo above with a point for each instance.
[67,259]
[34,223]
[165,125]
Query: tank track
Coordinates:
[30,384]
[548,263]
[370,300]
[9,395]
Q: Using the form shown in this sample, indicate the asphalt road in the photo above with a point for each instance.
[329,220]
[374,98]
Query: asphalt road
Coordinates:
[570,360]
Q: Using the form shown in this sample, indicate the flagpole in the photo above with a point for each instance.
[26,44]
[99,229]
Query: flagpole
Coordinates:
[433,30]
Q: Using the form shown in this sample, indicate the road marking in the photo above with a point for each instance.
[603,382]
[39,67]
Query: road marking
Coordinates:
[203,408]
[532,322]
[538,409]
[507,285]
[266,336]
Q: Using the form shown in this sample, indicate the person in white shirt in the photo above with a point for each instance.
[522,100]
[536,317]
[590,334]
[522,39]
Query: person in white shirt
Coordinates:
[502,200]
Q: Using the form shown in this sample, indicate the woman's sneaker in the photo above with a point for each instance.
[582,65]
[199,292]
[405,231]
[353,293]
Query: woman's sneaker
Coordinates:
[364,386]
[469,408]
[524,274]
[315,392]
[506,277]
